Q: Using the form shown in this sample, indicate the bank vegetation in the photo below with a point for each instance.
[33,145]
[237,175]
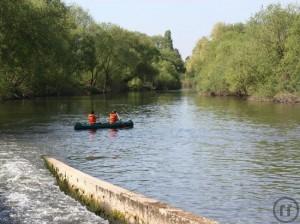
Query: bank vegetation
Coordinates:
[259,58]
[48,48]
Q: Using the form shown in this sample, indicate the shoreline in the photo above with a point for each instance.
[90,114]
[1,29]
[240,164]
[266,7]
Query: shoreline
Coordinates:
[87,95]
[280,98]
[68,95]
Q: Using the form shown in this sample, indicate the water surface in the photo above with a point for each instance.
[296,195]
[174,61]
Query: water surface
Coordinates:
[222,158]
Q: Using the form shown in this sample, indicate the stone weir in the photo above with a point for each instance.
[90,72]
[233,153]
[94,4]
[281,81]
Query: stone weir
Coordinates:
[114,203]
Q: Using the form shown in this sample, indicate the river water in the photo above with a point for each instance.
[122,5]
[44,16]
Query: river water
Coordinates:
[221,158]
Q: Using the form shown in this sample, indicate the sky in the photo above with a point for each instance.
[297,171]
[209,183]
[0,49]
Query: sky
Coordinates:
[188,20]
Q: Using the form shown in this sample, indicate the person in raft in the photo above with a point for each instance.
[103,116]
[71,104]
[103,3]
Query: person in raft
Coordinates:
[92,118]
[113,117]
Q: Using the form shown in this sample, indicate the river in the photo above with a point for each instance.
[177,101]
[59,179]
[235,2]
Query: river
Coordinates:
[222,158]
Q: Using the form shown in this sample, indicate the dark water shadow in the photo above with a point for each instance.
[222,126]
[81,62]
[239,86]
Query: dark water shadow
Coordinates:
[6,213]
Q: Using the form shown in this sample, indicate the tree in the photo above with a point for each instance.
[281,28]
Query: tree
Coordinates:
[47,48]
[256,58]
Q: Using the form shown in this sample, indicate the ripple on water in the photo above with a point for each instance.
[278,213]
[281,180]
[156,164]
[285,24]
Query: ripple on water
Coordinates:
[222,158]
[28,195]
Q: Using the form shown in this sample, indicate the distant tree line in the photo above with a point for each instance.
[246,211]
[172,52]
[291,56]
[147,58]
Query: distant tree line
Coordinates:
[48,48]
[258,58]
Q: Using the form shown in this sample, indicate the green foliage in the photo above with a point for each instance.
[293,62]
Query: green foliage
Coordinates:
[34,48]
[135,84]
[47,48]
[168,76]
[256,58]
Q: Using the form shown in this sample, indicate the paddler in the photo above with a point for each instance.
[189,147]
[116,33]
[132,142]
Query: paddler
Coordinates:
[92,118]
[113,117]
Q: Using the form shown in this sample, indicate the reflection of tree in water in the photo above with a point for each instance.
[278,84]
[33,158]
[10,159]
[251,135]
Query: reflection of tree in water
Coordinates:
[257,112]
[260,142]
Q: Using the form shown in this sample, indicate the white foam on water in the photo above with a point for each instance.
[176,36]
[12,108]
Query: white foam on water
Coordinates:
[29,194]
[18,200]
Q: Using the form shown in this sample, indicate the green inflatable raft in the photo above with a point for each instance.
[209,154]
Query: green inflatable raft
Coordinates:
[116,125]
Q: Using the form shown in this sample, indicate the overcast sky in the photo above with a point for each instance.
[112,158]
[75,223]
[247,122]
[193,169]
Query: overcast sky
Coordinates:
[187,19]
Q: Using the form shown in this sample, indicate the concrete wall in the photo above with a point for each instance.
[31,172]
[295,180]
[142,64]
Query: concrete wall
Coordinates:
[117,203]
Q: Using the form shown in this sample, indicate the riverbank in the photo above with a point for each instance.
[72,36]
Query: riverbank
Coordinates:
[77,94]
[87,94]
[282,98]
[249,58]
[116,204]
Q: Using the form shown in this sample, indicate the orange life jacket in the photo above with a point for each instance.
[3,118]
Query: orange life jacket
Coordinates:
[113,117]
[92,119]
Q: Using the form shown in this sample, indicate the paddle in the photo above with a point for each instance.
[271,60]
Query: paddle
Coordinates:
[119,118]
[98,117]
